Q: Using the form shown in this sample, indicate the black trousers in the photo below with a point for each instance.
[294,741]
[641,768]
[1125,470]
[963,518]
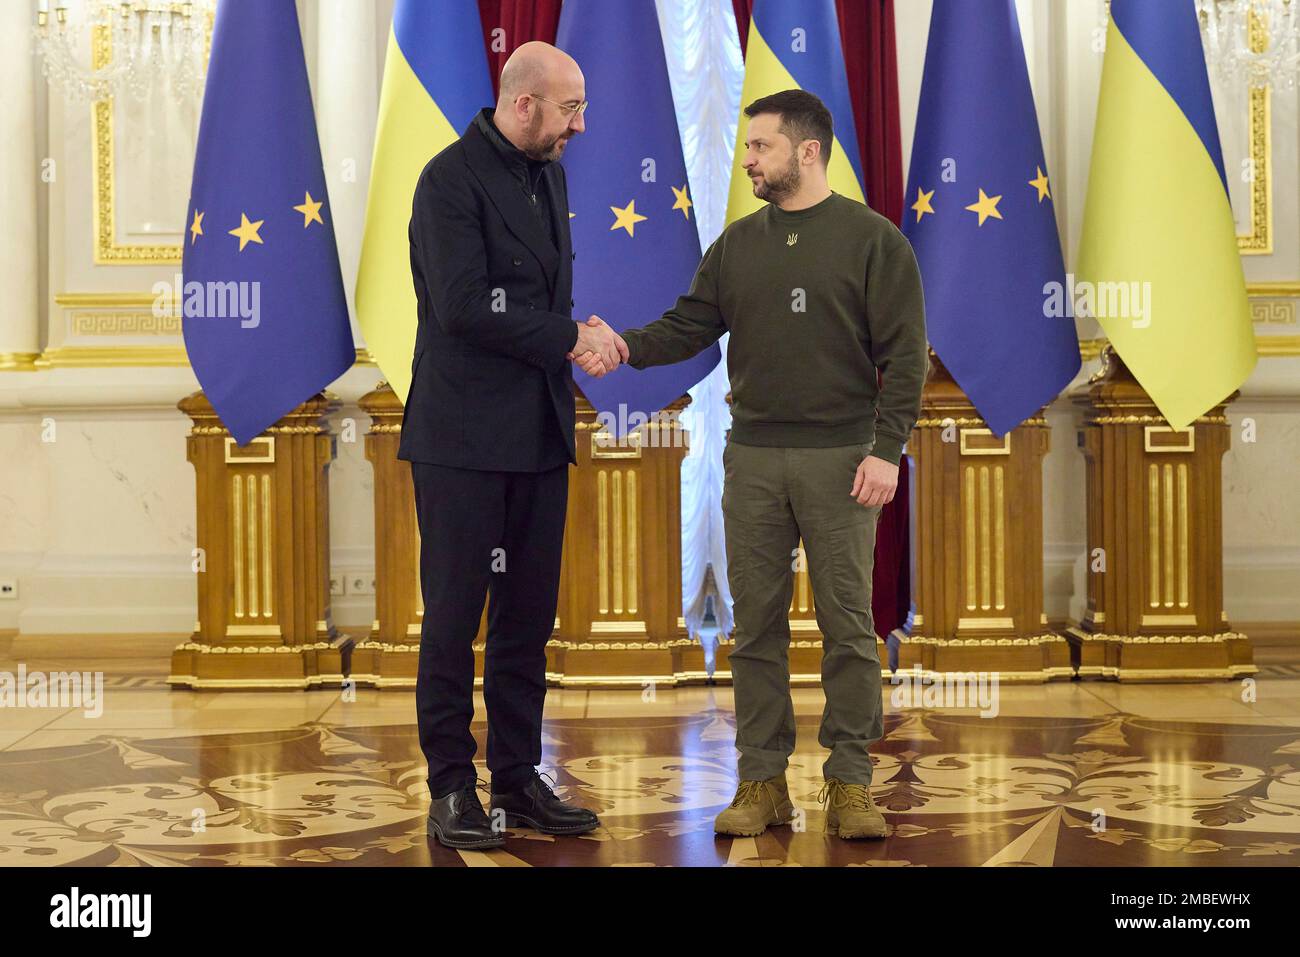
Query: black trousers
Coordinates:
[486,532]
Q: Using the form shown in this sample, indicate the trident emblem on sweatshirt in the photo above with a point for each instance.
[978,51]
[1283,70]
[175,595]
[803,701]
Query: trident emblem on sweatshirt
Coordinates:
[792,239]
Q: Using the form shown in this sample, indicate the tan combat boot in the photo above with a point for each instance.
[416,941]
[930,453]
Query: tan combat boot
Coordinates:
[756,805]
[849,811]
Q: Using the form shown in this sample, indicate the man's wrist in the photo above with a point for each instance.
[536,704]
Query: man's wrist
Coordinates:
[888,448]
[630,340]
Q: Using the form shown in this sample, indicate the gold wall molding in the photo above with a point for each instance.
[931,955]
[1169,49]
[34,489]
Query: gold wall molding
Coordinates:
[101,357]
[1289,289]
[111,357]
[108,251]
[1268,347]
[19,361]
[1259,241]
[1276,346]
[106,300]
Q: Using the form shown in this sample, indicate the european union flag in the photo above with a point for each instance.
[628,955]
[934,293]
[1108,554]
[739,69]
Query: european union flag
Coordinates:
[981,220]
[264,313]
[631,217]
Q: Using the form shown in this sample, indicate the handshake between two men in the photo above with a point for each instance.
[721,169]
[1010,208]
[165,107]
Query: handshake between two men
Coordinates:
[599,349]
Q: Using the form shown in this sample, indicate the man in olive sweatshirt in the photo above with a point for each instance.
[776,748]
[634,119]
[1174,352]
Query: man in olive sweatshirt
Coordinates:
[818,292]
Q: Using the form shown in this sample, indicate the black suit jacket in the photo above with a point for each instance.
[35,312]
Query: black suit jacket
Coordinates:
[490,384]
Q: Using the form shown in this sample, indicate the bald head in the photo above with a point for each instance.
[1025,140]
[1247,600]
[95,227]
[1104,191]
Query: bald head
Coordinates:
[540,87]
[533,68]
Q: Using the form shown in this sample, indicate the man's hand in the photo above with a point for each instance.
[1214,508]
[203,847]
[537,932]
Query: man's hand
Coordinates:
[876,482]
[599,348]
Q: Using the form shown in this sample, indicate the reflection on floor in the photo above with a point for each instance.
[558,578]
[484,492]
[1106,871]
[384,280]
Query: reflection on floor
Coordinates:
[1070,774]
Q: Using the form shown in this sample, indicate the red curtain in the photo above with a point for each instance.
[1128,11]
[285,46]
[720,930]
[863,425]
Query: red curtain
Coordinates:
[520,21]
[867,34]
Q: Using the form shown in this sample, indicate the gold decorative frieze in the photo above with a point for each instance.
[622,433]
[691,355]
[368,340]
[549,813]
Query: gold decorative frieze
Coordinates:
[1141,419]
[939,422]
[124,324]
[1273,311]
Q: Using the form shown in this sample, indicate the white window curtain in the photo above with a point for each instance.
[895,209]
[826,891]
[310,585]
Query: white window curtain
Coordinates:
[705,70]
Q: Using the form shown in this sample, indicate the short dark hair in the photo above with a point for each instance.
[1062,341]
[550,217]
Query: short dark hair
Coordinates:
[803,117]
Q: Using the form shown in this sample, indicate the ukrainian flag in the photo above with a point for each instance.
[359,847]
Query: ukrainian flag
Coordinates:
[1157,212]
[435,80]
[795,44]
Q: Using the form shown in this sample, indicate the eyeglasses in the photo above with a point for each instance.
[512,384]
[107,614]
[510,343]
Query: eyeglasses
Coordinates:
[580,108]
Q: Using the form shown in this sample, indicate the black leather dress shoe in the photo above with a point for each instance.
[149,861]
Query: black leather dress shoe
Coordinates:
[457,820]
[535,805]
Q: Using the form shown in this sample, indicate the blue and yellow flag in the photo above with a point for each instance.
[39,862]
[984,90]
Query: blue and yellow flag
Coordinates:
[980,217]
[264,313]
[435,80]
[795,45]
[632,222]
[1159,249]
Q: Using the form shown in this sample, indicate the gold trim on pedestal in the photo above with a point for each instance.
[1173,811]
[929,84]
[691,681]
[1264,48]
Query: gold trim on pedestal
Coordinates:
[1188,434]
[1169,621]
[1002,448]
[252,631]
[618,628]
[976,624]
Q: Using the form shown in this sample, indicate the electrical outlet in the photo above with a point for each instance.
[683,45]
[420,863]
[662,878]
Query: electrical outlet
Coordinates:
[338,586]
[8,588]
[361,585]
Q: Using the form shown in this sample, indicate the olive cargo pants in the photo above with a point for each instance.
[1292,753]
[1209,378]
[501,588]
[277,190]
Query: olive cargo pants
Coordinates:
[771,498]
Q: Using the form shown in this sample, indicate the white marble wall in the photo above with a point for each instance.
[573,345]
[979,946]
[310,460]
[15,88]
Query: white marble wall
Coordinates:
[97,526]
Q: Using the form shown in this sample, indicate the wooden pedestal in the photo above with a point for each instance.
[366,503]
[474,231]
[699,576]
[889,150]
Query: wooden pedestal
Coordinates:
[389,655]
[977,525]
[263,536]
[1155,539]
[618,620]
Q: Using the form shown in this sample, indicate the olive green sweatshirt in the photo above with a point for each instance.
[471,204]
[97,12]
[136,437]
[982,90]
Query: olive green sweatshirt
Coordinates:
[816,300]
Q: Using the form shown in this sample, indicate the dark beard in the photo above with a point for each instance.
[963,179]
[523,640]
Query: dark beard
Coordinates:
[786,183]
[537,149]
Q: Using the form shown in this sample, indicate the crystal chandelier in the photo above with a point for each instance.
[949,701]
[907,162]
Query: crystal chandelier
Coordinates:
[154,46]
[1257,41]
